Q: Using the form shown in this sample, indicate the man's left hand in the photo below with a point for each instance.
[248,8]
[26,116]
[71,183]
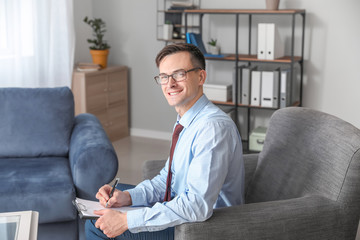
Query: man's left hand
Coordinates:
[112,223]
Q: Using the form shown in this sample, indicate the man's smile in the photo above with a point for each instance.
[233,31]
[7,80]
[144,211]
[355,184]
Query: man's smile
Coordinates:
[174,93]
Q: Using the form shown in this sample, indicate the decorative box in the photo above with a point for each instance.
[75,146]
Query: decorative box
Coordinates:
[257,139]
[218,92]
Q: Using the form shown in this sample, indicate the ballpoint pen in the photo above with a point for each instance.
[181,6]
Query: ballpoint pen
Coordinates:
[112,190]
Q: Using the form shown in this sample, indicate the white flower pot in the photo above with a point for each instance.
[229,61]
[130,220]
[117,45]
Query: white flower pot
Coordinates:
[215,50]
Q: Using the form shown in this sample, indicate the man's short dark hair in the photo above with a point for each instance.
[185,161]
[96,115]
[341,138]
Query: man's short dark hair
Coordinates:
[197,58]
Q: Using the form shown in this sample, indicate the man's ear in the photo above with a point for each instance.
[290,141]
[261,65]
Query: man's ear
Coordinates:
[202,77]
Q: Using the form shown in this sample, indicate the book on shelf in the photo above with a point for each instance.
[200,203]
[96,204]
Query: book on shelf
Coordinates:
[270,89]
[289,87]
[285,88]
[88,67]
[237,84]
[246,84]
[270,45]
[255,88]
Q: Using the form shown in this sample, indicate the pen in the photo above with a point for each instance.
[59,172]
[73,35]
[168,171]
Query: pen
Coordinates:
[112,190]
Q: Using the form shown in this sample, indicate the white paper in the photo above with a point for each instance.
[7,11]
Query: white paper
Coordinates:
[88,207]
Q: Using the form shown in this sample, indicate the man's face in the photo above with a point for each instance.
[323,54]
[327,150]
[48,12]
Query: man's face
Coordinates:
[182,95]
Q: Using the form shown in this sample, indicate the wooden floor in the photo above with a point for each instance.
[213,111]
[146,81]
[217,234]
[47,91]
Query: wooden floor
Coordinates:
[133,151]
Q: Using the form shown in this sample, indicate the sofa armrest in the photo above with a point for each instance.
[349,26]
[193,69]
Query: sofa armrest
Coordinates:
[93,160]
[151,168]
[310,217]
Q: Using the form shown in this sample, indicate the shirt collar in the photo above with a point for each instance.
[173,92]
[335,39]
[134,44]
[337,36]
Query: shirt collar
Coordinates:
[190,114]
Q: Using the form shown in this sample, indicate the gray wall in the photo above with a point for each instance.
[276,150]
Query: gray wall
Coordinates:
[331,80]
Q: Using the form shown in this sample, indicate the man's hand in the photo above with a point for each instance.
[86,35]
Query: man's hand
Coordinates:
[111,222]
[119,198]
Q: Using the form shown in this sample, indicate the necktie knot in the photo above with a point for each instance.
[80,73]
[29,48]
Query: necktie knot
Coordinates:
[178,129]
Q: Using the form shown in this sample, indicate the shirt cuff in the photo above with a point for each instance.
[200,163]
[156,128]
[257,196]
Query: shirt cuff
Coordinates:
[135,220]
[137,197]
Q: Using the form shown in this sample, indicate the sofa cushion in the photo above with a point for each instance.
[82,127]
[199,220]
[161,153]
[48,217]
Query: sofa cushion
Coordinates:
[40,184]
[35,121]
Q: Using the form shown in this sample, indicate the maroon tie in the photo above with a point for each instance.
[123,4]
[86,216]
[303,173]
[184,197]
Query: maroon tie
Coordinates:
[175,137]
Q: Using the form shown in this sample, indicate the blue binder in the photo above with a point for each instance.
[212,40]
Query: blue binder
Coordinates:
[196,39]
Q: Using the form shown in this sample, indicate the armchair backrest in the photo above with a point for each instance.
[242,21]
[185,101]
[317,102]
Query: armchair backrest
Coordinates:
[35,122]
[307,152]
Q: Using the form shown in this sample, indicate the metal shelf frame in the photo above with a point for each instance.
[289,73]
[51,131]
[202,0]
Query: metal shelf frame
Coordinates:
[237,57]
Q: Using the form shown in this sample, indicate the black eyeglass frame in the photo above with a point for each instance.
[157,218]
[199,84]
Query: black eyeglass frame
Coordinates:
[157,78]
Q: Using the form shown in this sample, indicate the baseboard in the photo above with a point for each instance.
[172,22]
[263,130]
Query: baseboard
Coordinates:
[150,134]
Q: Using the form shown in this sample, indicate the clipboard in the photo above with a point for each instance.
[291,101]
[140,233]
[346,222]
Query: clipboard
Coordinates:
[85,208]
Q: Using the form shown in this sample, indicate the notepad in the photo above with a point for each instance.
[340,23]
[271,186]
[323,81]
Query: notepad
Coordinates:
[86,208]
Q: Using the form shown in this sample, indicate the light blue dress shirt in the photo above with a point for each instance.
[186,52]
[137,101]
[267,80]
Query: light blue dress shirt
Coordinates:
[208,172]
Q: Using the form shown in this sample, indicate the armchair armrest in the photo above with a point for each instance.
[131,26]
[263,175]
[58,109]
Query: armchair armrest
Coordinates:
[152,167]
[93,160]
[311,217]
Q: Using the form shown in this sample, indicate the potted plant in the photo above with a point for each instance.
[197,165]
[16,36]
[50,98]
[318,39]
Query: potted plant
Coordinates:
[213,48]
[99,49]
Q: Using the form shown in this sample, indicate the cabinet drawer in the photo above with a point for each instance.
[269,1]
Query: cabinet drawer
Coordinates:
[117,87]
[102,116]
[117,130]
[104,94]
[118,112]
[96,93]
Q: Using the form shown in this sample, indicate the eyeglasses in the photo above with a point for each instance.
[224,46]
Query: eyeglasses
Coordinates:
[178,76]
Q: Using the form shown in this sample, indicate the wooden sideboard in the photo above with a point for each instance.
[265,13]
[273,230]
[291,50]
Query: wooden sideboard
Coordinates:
[104,93]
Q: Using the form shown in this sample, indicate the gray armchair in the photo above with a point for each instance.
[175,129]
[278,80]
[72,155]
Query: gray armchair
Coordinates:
[303,185]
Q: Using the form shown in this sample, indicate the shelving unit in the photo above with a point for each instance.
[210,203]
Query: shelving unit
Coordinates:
[250,58]
[164,12]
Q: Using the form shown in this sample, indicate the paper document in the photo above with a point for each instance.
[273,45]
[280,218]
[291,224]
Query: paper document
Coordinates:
[86,208]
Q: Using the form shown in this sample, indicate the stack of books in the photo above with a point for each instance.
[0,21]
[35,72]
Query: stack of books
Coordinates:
[88,67]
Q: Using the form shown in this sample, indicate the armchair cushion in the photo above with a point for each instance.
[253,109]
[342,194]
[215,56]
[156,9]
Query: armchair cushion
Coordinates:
[27,130]
[311,218]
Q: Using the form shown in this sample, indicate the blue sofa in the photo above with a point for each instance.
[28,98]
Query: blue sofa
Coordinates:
[48,157]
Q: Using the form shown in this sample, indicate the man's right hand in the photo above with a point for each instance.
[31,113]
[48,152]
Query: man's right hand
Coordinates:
[119,198]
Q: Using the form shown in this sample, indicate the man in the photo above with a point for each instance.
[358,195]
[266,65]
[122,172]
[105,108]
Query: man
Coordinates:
[206,164]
